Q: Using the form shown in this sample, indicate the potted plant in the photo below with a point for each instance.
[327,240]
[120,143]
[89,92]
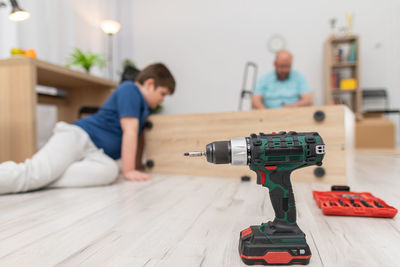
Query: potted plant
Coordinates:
[86,60]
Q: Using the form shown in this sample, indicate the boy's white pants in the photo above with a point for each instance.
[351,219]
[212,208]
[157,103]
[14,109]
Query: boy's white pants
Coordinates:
[69,159]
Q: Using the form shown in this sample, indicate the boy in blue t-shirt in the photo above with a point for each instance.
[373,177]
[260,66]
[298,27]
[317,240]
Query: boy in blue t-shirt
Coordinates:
[84,153]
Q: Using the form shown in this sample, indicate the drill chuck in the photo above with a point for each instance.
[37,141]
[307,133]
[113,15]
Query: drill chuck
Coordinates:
[236,151]
[219,152]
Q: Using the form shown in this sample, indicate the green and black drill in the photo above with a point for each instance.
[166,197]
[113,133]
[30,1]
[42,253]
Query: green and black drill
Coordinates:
[273,157]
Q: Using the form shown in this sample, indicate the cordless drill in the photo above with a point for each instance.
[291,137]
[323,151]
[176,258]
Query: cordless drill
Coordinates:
[273,157]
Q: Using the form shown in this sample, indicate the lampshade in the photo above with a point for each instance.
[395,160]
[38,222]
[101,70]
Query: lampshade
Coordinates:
[110,26]
[17,13]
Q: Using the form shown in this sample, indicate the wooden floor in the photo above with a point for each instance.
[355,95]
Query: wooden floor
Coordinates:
[189,221]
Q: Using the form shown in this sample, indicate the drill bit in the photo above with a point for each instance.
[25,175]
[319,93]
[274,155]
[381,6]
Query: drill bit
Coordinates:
[195,154]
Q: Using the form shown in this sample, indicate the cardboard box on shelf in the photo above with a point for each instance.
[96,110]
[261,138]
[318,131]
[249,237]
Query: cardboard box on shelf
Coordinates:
[375,133]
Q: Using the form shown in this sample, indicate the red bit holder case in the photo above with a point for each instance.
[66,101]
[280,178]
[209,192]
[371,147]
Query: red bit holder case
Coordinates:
[347,203]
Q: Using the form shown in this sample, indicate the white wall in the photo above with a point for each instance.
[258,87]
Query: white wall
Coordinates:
[55,28]
[207,42]
[8,33]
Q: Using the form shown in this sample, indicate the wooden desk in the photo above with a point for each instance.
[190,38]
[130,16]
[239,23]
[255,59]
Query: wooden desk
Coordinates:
[190,221]
[18,99]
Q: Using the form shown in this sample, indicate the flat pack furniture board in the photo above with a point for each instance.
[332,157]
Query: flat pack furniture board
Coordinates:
[172,135]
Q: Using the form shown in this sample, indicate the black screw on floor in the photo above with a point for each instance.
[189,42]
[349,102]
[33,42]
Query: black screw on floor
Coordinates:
[245,178]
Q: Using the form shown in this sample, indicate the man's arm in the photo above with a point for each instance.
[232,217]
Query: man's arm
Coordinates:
[130,128]
[305,100]
[257,102]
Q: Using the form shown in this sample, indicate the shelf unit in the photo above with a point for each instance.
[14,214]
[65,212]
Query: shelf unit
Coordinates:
[342,62]
[19,77]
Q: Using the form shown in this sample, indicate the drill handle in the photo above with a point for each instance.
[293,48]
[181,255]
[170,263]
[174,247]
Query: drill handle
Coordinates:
[280,192]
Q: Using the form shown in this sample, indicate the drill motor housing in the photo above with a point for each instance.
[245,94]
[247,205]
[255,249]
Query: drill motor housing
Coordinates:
[290,150]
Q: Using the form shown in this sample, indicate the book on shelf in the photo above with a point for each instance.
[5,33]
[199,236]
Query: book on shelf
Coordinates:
[344,53]
[338,75]
[353,53]
[334,80]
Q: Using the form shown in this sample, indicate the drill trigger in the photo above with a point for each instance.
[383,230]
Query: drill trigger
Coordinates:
[262,177]
[271,168]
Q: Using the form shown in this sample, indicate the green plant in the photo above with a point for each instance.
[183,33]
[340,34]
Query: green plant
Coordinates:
[86,60]
[158,109]
[128,62]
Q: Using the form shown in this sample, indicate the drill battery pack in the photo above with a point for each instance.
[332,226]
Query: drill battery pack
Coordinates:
[258,248]
[347,203]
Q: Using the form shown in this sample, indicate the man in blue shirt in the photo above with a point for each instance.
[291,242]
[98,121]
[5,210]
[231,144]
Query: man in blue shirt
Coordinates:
[282,88]
[84,153]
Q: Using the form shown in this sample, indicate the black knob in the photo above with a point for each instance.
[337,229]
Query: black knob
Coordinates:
[319,172]
[319,116]
[245,178]
[149,163]
[257,142]
[148,125]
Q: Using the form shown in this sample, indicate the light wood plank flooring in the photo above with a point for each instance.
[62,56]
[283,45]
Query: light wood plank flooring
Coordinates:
[189,221]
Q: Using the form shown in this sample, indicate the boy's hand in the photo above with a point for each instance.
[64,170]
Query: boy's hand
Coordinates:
[137,176]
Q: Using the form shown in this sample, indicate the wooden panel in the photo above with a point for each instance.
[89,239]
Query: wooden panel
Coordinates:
[378,151]
[172,135]
[327,73]
[17,112]
[358,100]
[341,39]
